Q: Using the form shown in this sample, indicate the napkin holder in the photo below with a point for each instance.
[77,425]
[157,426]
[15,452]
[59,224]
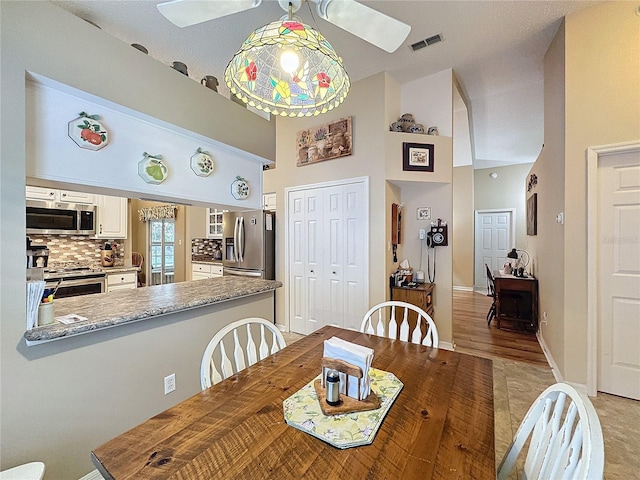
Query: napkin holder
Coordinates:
[347,404]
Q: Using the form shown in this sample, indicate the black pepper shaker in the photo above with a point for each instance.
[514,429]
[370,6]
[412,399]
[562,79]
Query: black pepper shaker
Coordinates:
[333,388]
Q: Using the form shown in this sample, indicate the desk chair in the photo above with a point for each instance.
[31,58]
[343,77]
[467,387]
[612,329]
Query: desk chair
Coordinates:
[565,438]
[491,292]
[385,323]
[216,365]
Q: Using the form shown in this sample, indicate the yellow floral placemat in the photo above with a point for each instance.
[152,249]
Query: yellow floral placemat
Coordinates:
[302,411]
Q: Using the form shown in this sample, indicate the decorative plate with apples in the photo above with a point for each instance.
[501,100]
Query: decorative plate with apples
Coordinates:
[87,132]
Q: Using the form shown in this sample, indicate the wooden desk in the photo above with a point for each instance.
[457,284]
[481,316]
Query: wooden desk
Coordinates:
[517,300]
[420,296]
[440,426]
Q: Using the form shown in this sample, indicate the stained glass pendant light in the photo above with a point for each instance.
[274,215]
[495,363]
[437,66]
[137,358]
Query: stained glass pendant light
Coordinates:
[287,68]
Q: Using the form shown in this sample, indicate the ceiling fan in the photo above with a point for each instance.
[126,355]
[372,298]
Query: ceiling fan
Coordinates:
[372,26]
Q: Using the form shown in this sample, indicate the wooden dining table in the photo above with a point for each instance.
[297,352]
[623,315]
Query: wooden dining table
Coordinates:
[440,425]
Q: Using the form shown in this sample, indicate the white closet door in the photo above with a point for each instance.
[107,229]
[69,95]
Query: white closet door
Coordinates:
[334,255]
[313,245]
[355,255]
[327,254]
[297,261]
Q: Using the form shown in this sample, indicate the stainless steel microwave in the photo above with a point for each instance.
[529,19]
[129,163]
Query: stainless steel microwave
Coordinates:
[45,217]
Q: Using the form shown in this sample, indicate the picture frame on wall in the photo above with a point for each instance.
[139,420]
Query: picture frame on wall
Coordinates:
[418,157]
[532,215]
[423,213]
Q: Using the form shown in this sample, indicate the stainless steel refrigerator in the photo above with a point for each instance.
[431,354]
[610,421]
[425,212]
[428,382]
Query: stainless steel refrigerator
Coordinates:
[249,243]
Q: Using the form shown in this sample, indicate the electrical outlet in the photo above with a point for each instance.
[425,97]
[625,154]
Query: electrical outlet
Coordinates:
[422,233]
[545,317]
[169,383]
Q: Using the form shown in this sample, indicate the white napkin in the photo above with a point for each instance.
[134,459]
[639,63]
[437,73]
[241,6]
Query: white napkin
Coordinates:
[355,355]
[404,264]
[35,290]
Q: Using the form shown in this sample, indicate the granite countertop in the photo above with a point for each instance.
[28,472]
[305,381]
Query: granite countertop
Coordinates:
[104,310]
[109,270]
[195,258]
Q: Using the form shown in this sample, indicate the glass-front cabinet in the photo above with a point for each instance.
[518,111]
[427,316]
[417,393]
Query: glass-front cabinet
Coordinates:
[214,223]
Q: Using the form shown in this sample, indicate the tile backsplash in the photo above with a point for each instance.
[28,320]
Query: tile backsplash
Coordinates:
[76,250]
[205,247]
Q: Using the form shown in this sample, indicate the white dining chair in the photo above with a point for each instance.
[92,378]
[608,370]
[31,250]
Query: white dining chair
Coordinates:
[248,340]
[565,438]
[391,320]
[27,471]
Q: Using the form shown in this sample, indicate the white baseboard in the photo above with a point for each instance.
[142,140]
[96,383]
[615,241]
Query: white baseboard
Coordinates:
[547,353]
[463,289]
[446,345]
[95,475]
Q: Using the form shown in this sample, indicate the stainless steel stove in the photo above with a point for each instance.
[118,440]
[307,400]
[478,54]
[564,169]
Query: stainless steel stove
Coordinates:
[75,281]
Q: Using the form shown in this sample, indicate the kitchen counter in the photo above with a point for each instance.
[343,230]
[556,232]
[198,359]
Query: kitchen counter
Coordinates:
[208,259]
[106,310]
[109,270]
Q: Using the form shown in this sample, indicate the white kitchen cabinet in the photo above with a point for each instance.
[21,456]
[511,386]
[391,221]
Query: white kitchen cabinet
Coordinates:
[55,195]
[111,215]
[204,270]
[214,223]
[122,281]
[269,201]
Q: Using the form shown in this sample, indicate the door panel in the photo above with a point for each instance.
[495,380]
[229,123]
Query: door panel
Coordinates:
[356,247]
[619,274]
[493,242]
[297,302]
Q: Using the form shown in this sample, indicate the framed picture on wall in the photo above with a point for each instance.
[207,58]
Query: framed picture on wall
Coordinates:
[417,157]
[532,215]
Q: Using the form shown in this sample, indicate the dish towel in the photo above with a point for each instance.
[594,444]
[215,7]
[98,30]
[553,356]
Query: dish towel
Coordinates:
[355,355]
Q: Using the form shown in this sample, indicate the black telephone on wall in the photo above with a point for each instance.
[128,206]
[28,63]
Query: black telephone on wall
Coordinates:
[437,236]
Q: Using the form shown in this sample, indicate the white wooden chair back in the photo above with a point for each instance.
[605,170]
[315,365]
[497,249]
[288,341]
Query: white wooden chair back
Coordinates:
[391,320]
[237,346]
[27,471]
[565,438]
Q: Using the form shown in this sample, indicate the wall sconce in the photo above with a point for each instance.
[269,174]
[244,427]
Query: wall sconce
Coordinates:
[493,175]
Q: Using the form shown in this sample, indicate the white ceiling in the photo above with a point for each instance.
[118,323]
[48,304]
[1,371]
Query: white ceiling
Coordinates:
[495,48]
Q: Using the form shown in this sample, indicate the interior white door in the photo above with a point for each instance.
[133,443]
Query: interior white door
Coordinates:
[314,264]
[355,255]
[334,251]
[328,255]
[493,232]
[619,274]
[305,261]
[296,260]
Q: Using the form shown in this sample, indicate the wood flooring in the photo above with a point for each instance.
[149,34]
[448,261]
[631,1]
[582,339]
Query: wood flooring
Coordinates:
[472,335]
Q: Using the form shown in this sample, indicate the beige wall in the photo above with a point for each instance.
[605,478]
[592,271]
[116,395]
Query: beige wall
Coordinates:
[63,398]
[438,196]
[547,247]
[602,98]
[462,228]
[378,155]
[366,104]
[506,191]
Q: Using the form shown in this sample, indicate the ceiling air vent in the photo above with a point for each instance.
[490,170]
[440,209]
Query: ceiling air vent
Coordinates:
[426,42]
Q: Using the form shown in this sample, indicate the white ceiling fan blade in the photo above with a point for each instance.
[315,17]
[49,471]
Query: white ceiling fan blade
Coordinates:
[375,27]
[190,12]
